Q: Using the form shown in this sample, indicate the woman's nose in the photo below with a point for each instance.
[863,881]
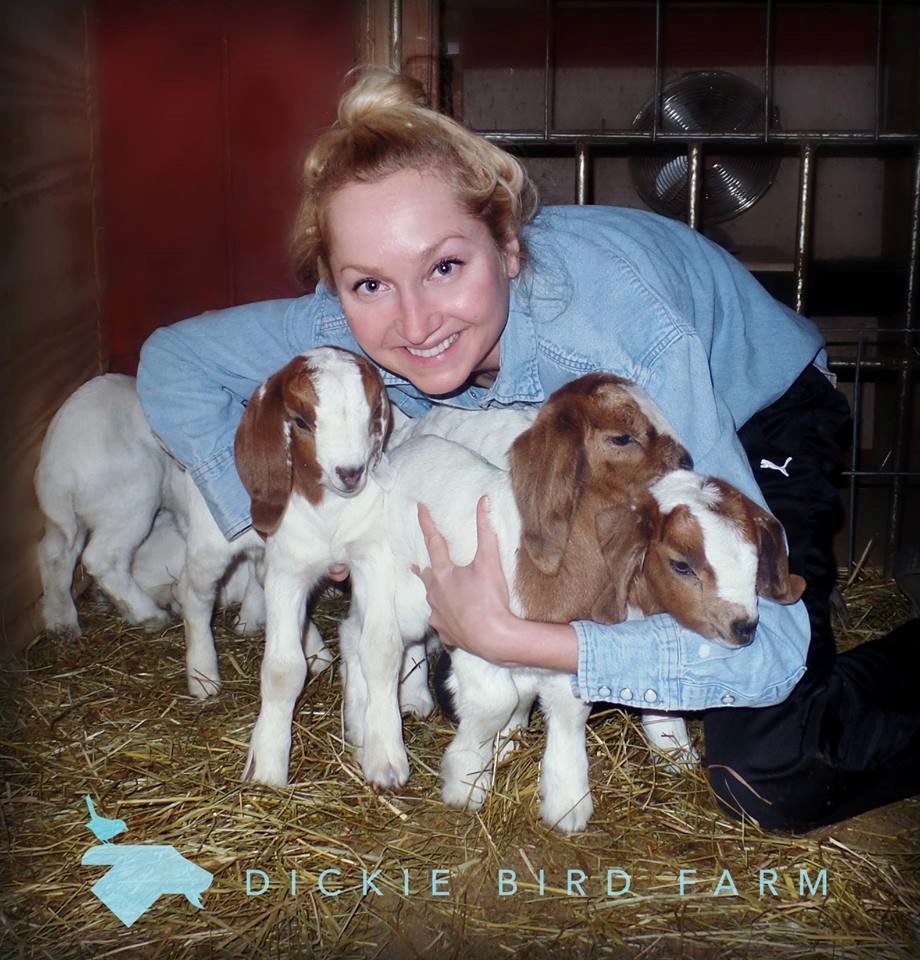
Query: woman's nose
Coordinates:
[417,319]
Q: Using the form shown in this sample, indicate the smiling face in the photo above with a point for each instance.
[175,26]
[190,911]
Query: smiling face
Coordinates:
[422,282]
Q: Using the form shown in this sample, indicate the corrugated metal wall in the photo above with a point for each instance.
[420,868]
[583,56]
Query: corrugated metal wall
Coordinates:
[49,277]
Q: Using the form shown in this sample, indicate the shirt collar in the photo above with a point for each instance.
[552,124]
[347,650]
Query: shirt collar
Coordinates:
[518,379]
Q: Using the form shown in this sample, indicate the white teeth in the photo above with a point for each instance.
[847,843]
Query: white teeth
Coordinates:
[434,351]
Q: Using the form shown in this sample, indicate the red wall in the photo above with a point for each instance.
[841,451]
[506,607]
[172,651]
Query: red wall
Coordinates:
[206,109]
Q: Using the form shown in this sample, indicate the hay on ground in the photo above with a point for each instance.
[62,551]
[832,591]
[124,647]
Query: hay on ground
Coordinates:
[109,717]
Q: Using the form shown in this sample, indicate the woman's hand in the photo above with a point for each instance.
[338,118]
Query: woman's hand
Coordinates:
[470,607]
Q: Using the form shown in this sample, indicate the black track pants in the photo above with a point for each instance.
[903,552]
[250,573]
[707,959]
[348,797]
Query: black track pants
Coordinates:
[847,739]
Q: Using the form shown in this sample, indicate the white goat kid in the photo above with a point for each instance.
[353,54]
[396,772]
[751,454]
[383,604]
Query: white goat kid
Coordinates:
[104,479]
[100,481]
[307,448]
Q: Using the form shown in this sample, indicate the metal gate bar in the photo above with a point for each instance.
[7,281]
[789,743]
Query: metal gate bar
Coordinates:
[875,143]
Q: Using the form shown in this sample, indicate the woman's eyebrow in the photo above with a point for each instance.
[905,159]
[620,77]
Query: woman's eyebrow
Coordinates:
[424,254]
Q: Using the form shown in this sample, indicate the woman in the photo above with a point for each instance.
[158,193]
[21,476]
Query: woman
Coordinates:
[433,260]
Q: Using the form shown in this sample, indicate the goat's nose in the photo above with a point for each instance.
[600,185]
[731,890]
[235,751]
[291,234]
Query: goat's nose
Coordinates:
[350,476]
[743,631]
[686,461]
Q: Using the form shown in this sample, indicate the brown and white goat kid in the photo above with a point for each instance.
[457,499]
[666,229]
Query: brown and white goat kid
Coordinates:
[307,449]
[706,553]
[595,444]
[693,547]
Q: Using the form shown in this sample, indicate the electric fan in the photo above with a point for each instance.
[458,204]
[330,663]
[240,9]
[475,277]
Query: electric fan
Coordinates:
[705,101]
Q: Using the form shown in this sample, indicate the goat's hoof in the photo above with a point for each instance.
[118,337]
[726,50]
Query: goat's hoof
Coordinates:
[385,773]
[566,816]
[156,622]
[64,631]
[202,687]
[319,661]
[270,771]
[677,762]
[417,706]
[247,628]
[463,795]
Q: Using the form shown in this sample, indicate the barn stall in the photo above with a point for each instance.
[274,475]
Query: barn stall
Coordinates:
[151,172]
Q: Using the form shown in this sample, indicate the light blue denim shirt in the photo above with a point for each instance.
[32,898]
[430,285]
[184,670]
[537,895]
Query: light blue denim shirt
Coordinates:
[607,289]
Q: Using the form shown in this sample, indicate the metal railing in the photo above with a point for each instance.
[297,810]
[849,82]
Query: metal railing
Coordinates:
[852,365]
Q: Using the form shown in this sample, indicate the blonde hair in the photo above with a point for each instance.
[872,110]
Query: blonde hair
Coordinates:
[384,126]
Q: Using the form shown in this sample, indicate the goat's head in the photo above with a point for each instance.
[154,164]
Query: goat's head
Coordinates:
[711,553]
[319,422]
[598,430]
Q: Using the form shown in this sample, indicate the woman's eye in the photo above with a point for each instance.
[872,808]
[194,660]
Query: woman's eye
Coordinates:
[368,285]
[620,440]
[446,267]
[679,567]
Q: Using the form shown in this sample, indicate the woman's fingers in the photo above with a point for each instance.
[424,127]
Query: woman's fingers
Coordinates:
[438,551]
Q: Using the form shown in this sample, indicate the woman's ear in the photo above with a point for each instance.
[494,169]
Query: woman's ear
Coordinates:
[511,256]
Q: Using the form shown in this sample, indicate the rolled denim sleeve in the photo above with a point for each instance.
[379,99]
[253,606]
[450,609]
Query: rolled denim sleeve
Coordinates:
[656,663]
[195,378]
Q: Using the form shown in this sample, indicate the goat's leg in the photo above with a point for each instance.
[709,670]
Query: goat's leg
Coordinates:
[107,558]
[251,618]
[197,591]
[57,556]
[381,753]
[354,689]
[667,736]
[318,655]
[284,671]
[414,695]
[565,795]
[485,698]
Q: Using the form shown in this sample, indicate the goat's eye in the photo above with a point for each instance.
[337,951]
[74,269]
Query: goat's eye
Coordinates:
[682,568]
[620,439]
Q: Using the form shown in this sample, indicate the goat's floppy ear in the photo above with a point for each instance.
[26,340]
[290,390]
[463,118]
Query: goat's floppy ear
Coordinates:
[548,472]
[381,419]
[623,536]
[774,581]
[263,454]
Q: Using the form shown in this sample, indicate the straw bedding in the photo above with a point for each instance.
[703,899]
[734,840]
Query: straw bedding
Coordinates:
[109,717]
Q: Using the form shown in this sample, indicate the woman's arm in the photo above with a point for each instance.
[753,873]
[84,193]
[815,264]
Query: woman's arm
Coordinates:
[195,378]
[646,663]
[492,632]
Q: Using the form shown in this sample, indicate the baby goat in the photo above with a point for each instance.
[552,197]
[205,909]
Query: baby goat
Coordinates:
[101,478]
[596,443]
[307,449]
[710,553]
[693,547]
[108,489]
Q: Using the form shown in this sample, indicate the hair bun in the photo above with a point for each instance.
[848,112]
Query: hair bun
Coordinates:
[378,89]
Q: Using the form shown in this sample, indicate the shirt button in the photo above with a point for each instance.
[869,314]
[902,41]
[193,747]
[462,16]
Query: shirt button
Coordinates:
[728,698]
[650,696]
[603,691]
[626,694]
